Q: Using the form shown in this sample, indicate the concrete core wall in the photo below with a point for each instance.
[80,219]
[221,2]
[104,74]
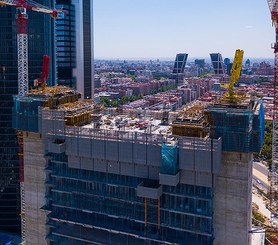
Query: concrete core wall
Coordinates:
[233,199]
[34,185]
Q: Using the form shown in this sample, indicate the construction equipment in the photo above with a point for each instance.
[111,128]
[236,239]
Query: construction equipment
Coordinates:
[235,74]
[273,178]
[45,72]
[22,35]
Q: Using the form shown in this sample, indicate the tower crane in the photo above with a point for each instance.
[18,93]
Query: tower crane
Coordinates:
[235,74]
[22,35]
[273,6]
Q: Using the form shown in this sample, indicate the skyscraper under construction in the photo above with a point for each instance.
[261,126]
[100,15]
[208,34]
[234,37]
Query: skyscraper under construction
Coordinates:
[93,177]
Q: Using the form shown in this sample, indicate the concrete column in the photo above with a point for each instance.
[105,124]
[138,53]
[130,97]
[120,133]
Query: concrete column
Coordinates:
[34,183]
[233,199]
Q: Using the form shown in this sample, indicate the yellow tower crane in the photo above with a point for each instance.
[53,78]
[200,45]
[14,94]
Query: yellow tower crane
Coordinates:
[235,74]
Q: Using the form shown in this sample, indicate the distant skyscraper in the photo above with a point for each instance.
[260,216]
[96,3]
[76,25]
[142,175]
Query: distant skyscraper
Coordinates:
[217,63]
[66,44]
[200,63]
[178,70]
[97,81]
[200,66]
[227,61]
[247,63]
[180,63]
[40,42]
[75,43]
[228,68]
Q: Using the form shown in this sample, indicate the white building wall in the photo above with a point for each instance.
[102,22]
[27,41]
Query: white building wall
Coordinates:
[233,199]
[35,177]
[78,72]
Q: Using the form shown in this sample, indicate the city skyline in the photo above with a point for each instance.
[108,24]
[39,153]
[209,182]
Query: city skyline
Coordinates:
[160,29]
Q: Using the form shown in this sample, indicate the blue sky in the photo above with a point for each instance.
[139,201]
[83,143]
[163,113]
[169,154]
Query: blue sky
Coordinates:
[162,28]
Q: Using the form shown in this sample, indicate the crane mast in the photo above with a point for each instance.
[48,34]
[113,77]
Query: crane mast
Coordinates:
[273,6]
[22,50]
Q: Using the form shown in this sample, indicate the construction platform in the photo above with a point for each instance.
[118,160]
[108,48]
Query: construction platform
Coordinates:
[191,123]
[27,113]
[240,125]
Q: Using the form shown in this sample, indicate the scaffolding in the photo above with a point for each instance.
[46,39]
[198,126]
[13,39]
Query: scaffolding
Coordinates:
[21,178]
[241,127]
[26,115]
[258,127]
[190,122]
[27,111]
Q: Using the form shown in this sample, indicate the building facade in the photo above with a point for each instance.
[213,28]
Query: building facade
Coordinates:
[40,42]
[75,42]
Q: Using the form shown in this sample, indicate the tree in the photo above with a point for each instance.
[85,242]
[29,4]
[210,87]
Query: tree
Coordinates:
[133,98]
[131,77]
[258,219]
[266,152]
[115,103]
[124,100]
[105,101]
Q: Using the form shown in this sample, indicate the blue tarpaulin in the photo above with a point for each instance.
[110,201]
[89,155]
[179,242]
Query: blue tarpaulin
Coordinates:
[169,159]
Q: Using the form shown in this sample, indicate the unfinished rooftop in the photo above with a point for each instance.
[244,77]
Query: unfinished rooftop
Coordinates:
[191,122]
[59,107]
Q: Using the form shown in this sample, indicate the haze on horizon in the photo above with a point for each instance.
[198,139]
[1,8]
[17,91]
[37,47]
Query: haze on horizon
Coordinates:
[126,29]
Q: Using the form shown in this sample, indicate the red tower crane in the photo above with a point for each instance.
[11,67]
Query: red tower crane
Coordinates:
[22,35]
[273,6]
